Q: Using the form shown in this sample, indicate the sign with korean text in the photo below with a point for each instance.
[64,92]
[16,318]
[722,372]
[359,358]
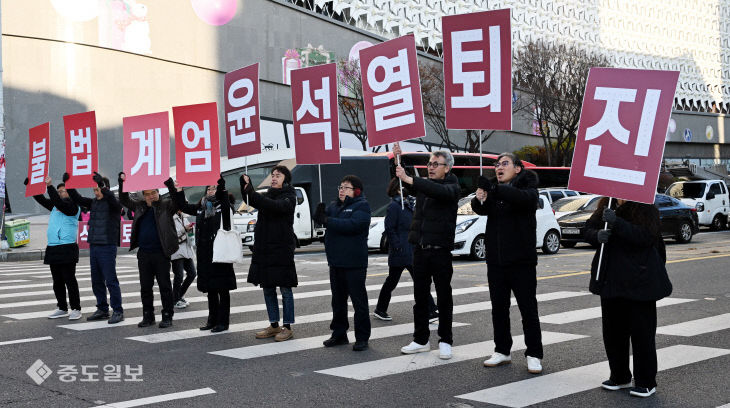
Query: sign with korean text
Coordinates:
[39,158]
[243,125]
[316,115]
[478,70]
[622,130]
[83,235]
[197,152]
[81,150]
[392,91]
[125,233]
[146,143]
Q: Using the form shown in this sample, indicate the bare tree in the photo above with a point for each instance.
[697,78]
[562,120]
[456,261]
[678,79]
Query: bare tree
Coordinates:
[432,92]
[350,99]
[553,77]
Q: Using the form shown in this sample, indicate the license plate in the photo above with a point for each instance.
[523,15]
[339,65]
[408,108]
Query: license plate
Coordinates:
[571,231]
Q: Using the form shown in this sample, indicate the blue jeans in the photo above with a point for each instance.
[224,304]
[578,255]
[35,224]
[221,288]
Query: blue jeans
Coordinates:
[103,259]
[272,304]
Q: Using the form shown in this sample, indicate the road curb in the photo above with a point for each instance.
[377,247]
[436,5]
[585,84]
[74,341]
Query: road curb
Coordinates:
[37,254]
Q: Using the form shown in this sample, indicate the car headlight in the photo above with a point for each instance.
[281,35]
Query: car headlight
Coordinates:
[251,226]
[373,225]
[464,225]
[700,207]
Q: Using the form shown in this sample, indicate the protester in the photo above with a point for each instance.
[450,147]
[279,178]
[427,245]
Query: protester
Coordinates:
[432,232]
[347,221]
[182,261]
[103,240]
[153,232]
[216,279]
[398,220]
[633,276]
[510,204]
[272,262]
[62,252]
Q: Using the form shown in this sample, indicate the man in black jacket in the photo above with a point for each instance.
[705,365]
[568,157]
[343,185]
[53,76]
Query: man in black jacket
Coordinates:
[153,232]
[103,241]
[510,206]
[432,234]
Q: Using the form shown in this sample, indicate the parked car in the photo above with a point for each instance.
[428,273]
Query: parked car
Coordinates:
[572,204]
[709,197]
[554,194]
[469,239]
[678,221]
[376,237]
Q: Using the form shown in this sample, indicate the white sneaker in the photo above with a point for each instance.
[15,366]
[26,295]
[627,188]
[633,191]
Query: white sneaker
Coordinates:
[181,304]
[57,314]
[497,359]
[444,351]
[533,365]
[185,302]
[414,348]
[74,315]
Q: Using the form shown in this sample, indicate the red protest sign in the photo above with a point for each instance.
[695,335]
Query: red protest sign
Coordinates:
[39,158]
[623,126]
[125,233]
[197,153]
[392,91]
[81,151]
[243,125]
[478,70]
[83,235]
[146,141]
[316,116]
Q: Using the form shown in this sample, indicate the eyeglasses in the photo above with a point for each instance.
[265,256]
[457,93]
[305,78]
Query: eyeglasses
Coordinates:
[505,163]
[341,188]
[435,164]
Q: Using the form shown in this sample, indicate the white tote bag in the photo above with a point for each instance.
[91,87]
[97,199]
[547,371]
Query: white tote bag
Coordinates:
[227,247]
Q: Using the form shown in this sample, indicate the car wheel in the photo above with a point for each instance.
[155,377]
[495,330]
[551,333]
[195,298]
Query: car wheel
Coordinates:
[684,233]
[551,242]
[384,244]
[717,223]
[568,244]
[479,248]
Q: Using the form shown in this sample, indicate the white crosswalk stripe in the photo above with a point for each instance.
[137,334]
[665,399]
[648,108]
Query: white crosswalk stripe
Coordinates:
[595,312]
[697,327]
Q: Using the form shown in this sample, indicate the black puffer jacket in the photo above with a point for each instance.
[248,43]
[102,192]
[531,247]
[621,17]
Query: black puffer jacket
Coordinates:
[211,276]
[164,209]
[434,221]
[105,216]
[272,262]
[511,225]
[633,264]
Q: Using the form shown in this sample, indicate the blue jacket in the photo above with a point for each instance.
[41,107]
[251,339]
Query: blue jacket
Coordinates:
[346,240]
[397,224]
[63,223]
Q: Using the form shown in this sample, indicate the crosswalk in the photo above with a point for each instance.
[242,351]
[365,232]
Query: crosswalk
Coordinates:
[26,296]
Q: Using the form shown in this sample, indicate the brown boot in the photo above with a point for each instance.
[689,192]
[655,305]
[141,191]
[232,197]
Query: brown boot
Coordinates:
[268,332]
[284,335]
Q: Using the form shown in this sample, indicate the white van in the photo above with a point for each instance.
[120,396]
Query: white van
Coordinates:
[709,197]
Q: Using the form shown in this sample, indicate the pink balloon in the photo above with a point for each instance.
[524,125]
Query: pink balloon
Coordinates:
[215,12]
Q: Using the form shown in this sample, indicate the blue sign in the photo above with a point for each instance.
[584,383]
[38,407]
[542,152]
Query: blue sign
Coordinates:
[687,135]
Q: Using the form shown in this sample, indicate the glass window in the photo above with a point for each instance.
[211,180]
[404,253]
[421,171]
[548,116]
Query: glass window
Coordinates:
[300,196]
[663,201]
[556,195]
[715,188]
[686,190]
[570,203]
[571,193]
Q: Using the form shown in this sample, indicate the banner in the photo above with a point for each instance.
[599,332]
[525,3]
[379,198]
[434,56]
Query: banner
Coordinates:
[478,70]
[197,151]
[391,91]
[83,235]
[243,125]
[39,159]
[81,151]
[621,134]
[146,141]
[125,233]
[316,114]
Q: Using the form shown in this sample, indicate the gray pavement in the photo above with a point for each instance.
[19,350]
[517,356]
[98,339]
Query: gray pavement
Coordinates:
[179,369]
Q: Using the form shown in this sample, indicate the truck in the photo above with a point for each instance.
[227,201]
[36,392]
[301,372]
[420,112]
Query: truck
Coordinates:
[709,197]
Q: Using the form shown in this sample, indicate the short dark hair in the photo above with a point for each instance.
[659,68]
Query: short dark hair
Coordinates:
[283,170]
[60,185]
[354,180]
[516,160]
[394,188]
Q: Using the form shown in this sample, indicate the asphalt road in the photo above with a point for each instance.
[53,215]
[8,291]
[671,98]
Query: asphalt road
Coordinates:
[177,364]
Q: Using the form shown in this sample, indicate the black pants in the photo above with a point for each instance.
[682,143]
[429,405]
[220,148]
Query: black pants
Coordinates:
[64,277]
[155,265]
[219,307]
[625,320]
[390,284]
[180,286]
[350,282]
[522,281]
[432,264]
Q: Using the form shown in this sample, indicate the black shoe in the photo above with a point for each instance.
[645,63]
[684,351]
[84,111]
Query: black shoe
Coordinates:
[381,315]
[336,341]
[642,391]
[208,326]
[614,386]
[98,315]
[165,323]
[219,328]
[360,346]
[116,318]
[433,316]
[146,322]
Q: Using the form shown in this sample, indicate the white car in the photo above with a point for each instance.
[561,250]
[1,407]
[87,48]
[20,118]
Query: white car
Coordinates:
[376,236]
[709,197]
[469,239]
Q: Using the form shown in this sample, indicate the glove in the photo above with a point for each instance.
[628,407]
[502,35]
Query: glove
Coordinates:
[319,215]
[609,215]
[221,184]
[65,177]
[170,184]
[98,180]
[604,235]
[485,184]
[25,182]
